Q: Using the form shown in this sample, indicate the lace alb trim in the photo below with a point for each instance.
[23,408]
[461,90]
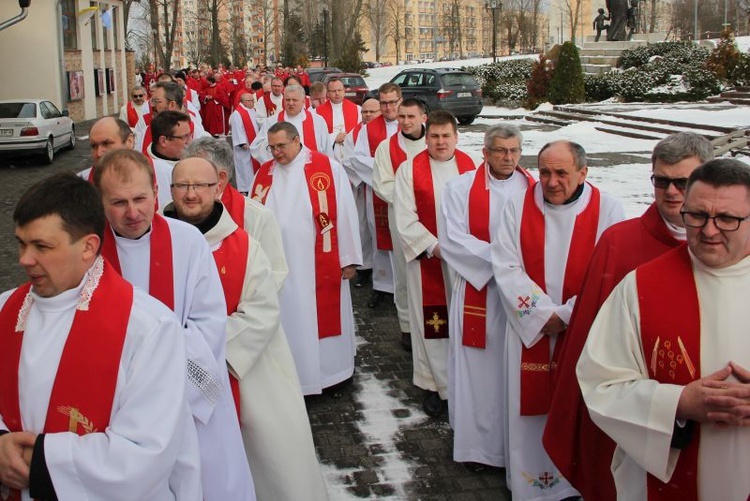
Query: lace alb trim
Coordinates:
[204,381]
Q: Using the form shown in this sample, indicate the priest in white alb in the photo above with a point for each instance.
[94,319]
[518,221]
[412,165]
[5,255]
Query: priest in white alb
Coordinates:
[243,123]
[340,114]
[472,206]
[310,195]
[171,260]
[92,370]
[416,201]
[665,371]
[539,256]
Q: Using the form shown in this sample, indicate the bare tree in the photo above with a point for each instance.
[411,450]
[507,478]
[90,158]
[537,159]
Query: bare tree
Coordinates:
[397,24]
[451,26]
[344,16]
[163,29]
[573,10]
[269,21]
[376,13]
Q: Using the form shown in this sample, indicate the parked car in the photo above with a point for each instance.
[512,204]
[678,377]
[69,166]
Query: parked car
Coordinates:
[447,89]
[355,88]
[35,125]
[317,74]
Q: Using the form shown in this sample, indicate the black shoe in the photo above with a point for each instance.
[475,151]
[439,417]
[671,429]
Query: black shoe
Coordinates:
[363,277]
[406,341]
[375,299]
[433,405]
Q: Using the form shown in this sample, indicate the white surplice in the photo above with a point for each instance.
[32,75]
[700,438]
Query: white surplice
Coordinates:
[275,427]
[163,170]
[639,413]
[322,139]
[338,127]
[260,223]
[383,184]
[261,106]
[139,110]
[526,459]
[150,423]
[429,356]
[243,167]
[320,362]
[476,392]
[200,307]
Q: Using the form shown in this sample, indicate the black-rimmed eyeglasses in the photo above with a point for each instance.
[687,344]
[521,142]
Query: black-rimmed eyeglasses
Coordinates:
[722,222]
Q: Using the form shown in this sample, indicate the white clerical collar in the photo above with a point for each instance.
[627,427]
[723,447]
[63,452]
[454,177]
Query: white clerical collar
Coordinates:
[677,232]
[337,105]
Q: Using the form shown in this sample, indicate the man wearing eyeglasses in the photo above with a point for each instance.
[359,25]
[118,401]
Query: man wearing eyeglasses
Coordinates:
[172,261]
[665,371]
[577,446]
[135,108]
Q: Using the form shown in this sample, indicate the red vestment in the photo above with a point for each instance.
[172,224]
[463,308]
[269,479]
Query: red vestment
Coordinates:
[214,106]
[580,450]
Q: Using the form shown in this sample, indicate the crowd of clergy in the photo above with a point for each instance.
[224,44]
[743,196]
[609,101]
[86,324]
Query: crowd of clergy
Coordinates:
[224,216]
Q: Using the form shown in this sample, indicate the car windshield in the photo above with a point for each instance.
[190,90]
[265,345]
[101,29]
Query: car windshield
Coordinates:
[451,79]
[17,110]
[353,81]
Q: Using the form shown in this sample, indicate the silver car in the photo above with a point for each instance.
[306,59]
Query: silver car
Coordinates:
[35,125]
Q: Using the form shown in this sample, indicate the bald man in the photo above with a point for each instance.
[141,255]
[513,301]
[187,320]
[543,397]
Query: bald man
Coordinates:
[107,134]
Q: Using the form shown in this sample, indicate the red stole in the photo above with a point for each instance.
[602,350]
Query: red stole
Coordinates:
[132,114]
[84,387]
[383,238]
[322,190]
[434,300]
[147,118]
[161,271]
[355,132]
[536,366]
[376,133]
[475,301]
[308,129]
[234,203]
[348,108]
[270,105]
[250,132]
[231,261]
[672,346]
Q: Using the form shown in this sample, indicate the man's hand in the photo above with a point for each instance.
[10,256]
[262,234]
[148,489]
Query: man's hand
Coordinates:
[348,272]
[340,138]
[245,146]
[731,398]
[554,326]
[693,403]
[15,458]
[437,253]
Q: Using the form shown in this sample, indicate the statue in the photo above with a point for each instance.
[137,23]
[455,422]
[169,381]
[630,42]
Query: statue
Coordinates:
[618,14]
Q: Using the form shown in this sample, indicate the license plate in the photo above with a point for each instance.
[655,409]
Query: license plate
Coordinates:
[6,132]
[350,94]
[463,94]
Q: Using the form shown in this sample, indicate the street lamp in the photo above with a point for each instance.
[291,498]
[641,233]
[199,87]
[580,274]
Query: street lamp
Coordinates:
[325,38]
[494,6]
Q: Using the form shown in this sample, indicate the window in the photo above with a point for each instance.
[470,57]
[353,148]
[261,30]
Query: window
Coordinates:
[70,32]
[17,110]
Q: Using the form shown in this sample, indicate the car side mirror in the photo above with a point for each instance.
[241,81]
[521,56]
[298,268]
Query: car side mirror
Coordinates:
[24,4]
[65,112]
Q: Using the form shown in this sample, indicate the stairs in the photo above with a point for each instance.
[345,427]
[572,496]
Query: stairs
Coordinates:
[739,95]
[601,57]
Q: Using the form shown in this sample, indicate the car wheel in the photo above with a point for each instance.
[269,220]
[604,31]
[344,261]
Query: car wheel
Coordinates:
[466,120]
[72,143]
[49,152]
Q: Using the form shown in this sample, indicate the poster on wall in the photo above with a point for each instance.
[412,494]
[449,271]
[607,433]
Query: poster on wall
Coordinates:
[75,85]
[111,88]
[99,81]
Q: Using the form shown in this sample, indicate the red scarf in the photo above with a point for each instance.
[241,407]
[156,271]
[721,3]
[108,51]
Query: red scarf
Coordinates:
[270,105]
[84,387]
[322,191]
[667,284]
[250,132]
[434,299]
[234,203]
[161,270]
[536,366]
[355,132]
[308,129]
[231,261]
[350,110]
[132,114]
[475,301]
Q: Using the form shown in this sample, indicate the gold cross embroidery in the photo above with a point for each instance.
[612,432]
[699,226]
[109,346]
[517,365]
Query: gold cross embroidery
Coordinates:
[75,418]
[435,322]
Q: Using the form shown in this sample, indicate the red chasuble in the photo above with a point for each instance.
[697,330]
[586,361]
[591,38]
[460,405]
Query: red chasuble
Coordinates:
[132,114]
[576,445]
[308,129]
[250,132]
[434,299]
[351,114]
[672,346]
[84,388]
[536,375]
[322,191]
[234,203]
[161,271]
[475,301]
[231,261]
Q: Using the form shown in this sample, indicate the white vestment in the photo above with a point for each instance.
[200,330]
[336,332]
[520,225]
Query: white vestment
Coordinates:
[429,356]
[339,127]
[140,111]
[383,184]
[261,106]
[243,167]
[320,362]
[322,139]
[275,427]
[476,396]
[199,305]
[526,459]
[163,169]
[150,425]
[638,413]
[260,223]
